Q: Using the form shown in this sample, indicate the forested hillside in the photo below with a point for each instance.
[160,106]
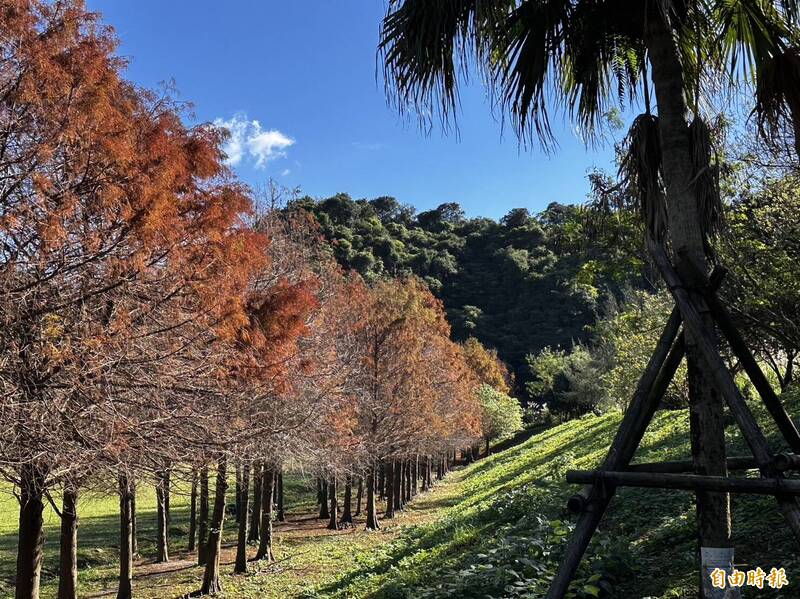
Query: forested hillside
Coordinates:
[519,285]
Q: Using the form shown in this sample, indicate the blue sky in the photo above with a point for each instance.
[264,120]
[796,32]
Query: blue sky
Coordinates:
[297,80]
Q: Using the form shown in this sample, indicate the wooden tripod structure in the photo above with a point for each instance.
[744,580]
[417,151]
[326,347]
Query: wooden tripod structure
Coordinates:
[615,471]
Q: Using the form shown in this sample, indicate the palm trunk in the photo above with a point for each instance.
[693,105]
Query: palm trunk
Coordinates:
[125,586]
[265,543]
[255,515]
[706,405]
[202,525]
[193,513]
[244,505]
[68,555]
[372,512]
[31,533]
[211,582]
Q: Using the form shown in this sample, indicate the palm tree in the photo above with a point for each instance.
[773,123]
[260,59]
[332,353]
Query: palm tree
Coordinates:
[582,57]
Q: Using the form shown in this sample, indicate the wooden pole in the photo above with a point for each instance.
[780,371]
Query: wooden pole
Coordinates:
[723,379]
[723,319]
[654,381]
[687,482]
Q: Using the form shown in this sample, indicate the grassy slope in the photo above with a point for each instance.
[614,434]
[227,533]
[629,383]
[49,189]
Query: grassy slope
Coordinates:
[493,529]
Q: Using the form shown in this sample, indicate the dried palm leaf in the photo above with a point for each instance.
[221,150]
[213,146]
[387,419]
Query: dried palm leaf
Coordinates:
[705,179]
[640,171]
[778,96]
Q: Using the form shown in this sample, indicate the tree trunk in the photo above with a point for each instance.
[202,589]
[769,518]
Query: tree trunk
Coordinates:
[398,486]
[372,512]
[211,582]
[265,542]
[162,525]
[359,495]
[68,557]
[333,524]
[324,513]
[31,533]
[415,477]
[202,525]
[409,475]
[244,505]
[134,528]
[347,512]
[255,512]
[706,405]
[389,478]
[125,588]
[238,492]
[279,494]
[193,513]
[381,483]
[487,448]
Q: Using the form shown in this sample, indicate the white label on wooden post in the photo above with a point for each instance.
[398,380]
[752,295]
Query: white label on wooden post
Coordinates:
[716,565]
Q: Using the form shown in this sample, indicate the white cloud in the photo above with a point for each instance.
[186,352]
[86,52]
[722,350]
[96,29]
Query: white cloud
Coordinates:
[286,172]
[247,136]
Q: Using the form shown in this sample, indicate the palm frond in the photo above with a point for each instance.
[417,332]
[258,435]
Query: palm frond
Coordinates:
[427,47]
[705,164]
[778,96]
[640,170]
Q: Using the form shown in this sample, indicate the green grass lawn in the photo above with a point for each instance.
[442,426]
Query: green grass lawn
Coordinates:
[492,529]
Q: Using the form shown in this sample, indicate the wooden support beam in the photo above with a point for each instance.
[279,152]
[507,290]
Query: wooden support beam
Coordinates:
[653,383]
[687,482]
[723,380]
[723,319]
[678,466]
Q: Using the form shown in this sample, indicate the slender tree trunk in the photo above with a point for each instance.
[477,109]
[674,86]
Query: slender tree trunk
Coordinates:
[125,587]
[706,405]
[324,513]
[202,525]
[333,524]
[238,492]
[244,505]
[279,493]
[211,582]
[381,482]
[429,474]
[31,533]
[68,555]
[347,513]
[265,542]
[359,495]
[389,478]
[415,477]
[487,447]
[134,528]
[372,511]
[398,486]
[409,476]
[255,512]
[162,527]
[193,513]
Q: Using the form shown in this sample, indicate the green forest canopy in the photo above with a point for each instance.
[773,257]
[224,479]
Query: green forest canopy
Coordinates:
[518,285]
